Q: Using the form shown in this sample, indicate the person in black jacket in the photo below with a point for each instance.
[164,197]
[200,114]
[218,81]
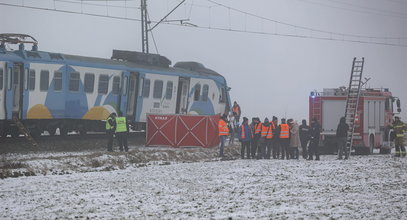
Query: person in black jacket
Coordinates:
[341,135]
[304,138]
[314,139]
[110,128]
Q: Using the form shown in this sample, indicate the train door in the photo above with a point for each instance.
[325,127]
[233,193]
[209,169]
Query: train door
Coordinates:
[15,81]
[132,95]
[182,95]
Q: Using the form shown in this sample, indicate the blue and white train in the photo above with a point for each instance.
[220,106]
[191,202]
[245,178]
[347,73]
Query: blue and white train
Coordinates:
[47,91]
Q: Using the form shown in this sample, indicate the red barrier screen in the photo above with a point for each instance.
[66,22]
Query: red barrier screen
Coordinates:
[182,130]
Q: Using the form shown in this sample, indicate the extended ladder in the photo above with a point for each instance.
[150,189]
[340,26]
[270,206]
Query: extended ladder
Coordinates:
[25,131]
[352,100]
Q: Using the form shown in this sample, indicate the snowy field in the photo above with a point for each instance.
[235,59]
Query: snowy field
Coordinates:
[365,187]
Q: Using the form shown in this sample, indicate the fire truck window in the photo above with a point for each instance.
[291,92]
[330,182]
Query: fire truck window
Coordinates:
[387,105]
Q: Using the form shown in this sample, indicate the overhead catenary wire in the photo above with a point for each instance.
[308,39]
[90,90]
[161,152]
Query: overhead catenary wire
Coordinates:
[374,40]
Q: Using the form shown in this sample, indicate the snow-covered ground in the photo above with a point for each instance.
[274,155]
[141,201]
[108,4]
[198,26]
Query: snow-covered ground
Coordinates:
[365,187]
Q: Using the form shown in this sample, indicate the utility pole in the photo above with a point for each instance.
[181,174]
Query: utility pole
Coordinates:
[145,22]
[144,26]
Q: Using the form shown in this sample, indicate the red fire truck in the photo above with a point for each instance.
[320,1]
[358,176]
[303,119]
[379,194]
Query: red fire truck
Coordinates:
[372,121]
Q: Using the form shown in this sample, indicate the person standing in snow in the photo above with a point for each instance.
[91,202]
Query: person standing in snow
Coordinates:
[121,132]
[315,131]
[294,138]
[110,128]
[399,129]
[304,138]
[245,137]
[223,133]
[341,135]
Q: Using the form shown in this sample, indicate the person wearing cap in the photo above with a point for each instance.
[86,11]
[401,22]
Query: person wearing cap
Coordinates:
[223,133]
[315,131]
[284,131]
[245,137]
[399,128]
[265,139]
[304,138]
[110,129]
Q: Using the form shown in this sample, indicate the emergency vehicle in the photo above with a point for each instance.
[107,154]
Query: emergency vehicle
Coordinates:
[373,118]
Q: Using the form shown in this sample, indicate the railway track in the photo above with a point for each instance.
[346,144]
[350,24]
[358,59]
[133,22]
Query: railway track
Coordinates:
[71,142]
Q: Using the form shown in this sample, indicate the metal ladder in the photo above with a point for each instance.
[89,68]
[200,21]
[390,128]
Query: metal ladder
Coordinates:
[25,131]
[352,100]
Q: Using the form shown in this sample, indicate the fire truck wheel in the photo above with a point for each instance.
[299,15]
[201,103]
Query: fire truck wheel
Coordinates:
[385,151]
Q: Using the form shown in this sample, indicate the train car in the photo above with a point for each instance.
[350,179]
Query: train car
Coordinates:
[53,91]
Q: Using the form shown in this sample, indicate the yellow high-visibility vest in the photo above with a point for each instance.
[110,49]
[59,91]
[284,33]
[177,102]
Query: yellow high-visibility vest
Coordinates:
[121,125]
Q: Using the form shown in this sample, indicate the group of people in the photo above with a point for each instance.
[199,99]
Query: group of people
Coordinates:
[263,140]
[117,126]
[269,139]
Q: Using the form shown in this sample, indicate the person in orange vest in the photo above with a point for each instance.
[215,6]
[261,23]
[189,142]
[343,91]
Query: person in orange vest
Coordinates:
[245,137]
[276,138]
[236,111]
[256,137]
[223,133]
[284,132]
[266,136]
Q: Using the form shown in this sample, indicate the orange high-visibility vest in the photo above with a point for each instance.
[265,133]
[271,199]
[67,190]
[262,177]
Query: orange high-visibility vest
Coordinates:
[236,109]
[266,131]
[243,134]
[285,131]
[223,128]
[258,128]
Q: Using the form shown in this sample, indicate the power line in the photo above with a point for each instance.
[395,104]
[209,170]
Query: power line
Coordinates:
[331,38]
[362,9]
[303,27]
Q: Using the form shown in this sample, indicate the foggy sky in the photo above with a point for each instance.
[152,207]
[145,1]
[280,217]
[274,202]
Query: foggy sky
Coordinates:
[269,75]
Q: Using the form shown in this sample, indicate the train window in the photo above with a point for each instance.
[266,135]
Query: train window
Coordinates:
[116,85]
[146,88]
[168,92]
[74,82]
[89,82]
[197,93]
[31,80]
[1,78]
[9,81]
[57,81]
[158,89]
[205,91]
[44,80]
[26,79]
[222,97]
[103,84]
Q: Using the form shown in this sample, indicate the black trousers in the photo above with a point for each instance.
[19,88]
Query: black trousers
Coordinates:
[109,135]
[245,147]
[313,149]
[122,139]
[255,146]
[304,142]
[269,147]
[276,148]
[284,145]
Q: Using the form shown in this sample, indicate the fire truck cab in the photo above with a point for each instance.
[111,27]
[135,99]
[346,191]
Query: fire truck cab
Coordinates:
[373,118]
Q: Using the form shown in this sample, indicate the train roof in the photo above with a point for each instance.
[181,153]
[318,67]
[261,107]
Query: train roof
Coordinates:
[188,68]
